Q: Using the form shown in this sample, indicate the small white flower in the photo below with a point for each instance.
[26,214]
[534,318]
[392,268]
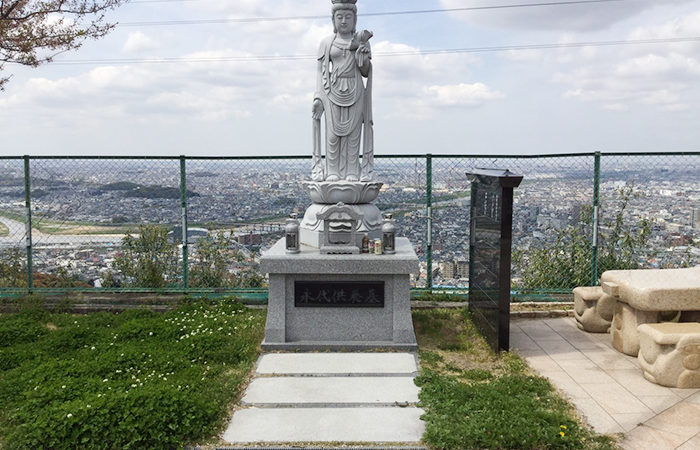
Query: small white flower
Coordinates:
[92,348]
[69,415]
[105,380]
[63,387]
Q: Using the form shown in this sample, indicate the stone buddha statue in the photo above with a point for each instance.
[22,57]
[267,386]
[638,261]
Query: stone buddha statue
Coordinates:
[345,101]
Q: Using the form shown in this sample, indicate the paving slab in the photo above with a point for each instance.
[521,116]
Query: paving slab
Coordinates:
[684,393]
[538,361]
[630,421]
[682,419]
[309,364]
[695,398]
[281,391]
[562,381]
[597,417]
[634,381]
[289,425]
[644,437]
[608,387]
[659,404]
[691,444]
[608,359]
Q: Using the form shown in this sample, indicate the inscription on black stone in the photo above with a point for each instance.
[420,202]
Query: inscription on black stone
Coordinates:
[339,294]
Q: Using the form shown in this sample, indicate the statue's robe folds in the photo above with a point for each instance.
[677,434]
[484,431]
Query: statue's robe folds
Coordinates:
[348,110]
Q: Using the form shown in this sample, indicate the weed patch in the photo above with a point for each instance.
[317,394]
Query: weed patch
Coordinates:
[133,380]
[474,398]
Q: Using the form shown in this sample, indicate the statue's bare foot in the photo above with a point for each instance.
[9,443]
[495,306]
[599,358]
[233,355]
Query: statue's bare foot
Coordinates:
[366,179]
[333,178]
[351,178]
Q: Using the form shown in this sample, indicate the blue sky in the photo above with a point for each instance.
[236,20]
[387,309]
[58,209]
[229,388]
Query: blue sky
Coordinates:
[604,98]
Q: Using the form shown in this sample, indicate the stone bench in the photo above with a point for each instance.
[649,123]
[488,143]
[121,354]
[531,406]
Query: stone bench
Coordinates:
[670,353]
[593,309]
[650,296]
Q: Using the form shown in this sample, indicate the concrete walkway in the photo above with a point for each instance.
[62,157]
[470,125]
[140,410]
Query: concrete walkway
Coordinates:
[607,387]
[330,397]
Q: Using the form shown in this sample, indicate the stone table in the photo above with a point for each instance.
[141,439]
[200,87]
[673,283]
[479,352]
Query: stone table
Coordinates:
[648,296]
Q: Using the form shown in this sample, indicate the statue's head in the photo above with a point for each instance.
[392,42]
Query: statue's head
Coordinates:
[344,15]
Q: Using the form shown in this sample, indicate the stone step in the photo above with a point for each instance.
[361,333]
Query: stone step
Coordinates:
[328,364]
[330,391]
[288,425]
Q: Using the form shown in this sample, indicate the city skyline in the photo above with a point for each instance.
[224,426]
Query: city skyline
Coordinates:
[73,198]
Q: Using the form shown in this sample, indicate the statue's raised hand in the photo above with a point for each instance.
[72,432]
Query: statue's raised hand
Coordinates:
[317,109]
[363,53]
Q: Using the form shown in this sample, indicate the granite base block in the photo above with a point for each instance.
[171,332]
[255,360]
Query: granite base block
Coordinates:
[340,320]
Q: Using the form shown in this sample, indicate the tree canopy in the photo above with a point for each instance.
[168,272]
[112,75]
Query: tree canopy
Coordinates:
[32,32]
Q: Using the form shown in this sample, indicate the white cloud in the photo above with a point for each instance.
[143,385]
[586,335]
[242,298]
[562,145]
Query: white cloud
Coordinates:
[469,95]
[578,17]
[209,91]
[416,86]
[139,42]
[409,86]
[657,75]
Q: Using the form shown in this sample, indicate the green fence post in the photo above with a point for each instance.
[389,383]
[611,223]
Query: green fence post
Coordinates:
[596,218]
[183,206]
[429,210]
[28,224]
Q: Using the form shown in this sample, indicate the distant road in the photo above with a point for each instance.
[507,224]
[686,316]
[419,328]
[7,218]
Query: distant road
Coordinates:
[17,237]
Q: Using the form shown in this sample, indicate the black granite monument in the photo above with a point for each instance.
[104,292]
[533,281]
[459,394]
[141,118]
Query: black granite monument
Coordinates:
[490,242]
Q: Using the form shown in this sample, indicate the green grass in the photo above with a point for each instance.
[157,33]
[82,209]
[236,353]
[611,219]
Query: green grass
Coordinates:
[445,296]
[133,380]
[476,399]
[148,380]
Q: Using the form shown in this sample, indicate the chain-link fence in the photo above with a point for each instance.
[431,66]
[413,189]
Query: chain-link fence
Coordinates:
[187,224]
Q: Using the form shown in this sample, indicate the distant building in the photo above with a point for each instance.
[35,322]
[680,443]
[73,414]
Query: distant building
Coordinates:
[463,269]
[447,270]
[193,234]
[250,239]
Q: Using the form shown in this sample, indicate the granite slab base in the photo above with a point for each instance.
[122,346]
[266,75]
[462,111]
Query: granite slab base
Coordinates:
[339,399]
[342,320]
